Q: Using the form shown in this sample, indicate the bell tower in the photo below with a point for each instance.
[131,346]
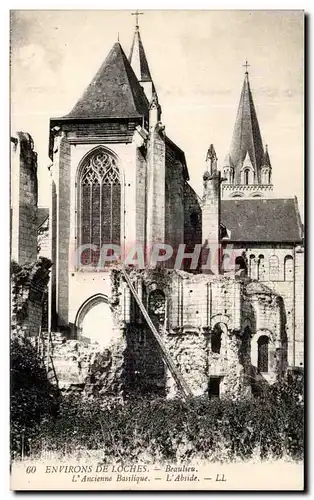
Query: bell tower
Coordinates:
[247,167]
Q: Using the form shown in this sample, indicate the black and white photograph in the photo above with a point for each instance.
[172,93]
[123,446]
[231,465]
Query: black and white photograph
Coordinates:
[157,250]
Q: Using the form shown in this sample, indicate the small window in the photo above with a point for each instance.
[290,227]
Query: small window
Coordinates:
[246,177]
[288,264]
[262,358]
[261,268]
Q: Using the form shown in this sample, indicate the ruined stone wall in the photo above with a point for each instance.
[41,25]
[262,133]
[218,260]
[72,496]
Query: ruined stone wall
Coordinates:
[28,287]
[24,193]
[288,285]
[188,310]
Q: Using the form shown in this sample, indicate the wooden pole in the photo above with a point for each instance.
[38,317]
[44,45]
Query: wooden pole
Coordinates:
[180,381]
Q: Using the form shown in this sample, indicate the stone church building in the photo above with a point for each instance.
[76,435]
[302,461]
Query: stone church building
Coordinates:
[118,180]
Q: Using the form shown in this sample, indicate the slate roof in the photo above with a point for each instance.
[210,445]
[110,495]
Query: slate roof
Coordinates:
[262,220]
[42,215]
[114,91]
[138,60]
[246,136]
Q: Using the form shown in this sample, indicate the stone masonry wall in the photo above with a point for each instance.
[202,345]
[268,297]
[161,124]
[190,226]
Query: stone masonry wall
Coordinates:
[290,288]
[28,286]
[24,199]
[187,310]
[174,206]
[155,221]
[63,231]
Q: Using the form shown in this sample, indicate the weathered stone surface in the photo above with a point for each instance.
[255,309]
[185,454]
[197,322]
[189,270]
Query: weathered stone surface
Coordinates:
[89,368]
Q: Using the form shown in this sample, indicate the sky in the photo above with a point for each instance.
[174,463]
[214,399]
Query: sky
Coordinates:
[196,59]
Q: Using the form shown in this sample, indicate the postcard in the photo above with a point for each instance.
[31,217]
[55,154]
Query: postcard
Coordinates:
[157,250]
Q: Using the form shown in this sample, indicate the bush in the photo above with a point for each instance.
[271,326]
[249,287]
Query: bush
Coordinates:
[174,430]
[33,398]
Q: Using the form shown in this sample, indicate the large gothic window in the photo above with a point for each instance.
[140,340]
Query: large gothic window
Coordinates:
[262,358]
[99,204]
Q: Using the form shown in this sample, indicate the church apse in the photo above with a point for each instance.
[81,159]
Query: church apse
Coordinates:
[120,180]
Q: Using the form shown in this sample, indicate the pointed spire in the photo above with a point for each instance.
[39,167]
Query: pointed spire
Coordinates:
[137,58]
[246,133]
[114,91]
[138,61]
[266,159]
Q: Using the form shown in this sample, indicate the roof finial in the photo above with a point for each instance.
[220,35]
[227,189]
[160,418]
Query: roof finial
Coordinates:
[136,14]
[118,36]
[246,66]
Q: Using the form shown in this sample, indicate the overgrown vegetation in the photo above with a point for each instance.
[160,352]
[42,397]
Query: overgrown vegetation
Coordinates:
[33,398]
[265,427]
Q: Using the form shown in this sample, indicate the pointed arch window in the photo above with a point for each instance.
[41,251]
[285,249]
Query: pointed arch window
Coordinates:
[262,354]
[288,268]
[99,204]
[273,268]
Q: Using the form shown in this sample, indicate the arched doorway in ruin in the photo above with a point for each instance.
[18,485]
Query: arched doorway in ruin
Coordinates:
[94,321]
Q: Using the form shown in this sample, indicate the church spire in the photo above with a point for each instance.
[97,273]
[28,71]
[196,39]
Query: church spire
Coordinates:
[247,166]
[138,61]
[246,139]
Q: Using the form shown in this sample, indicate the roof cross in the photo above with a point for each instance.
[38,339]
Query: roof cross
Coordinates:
[246,66]
[136,14]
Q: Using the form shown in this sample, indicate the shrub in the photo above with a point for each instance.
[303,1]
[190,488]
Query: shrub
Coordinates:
[33,398]
[174,430]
